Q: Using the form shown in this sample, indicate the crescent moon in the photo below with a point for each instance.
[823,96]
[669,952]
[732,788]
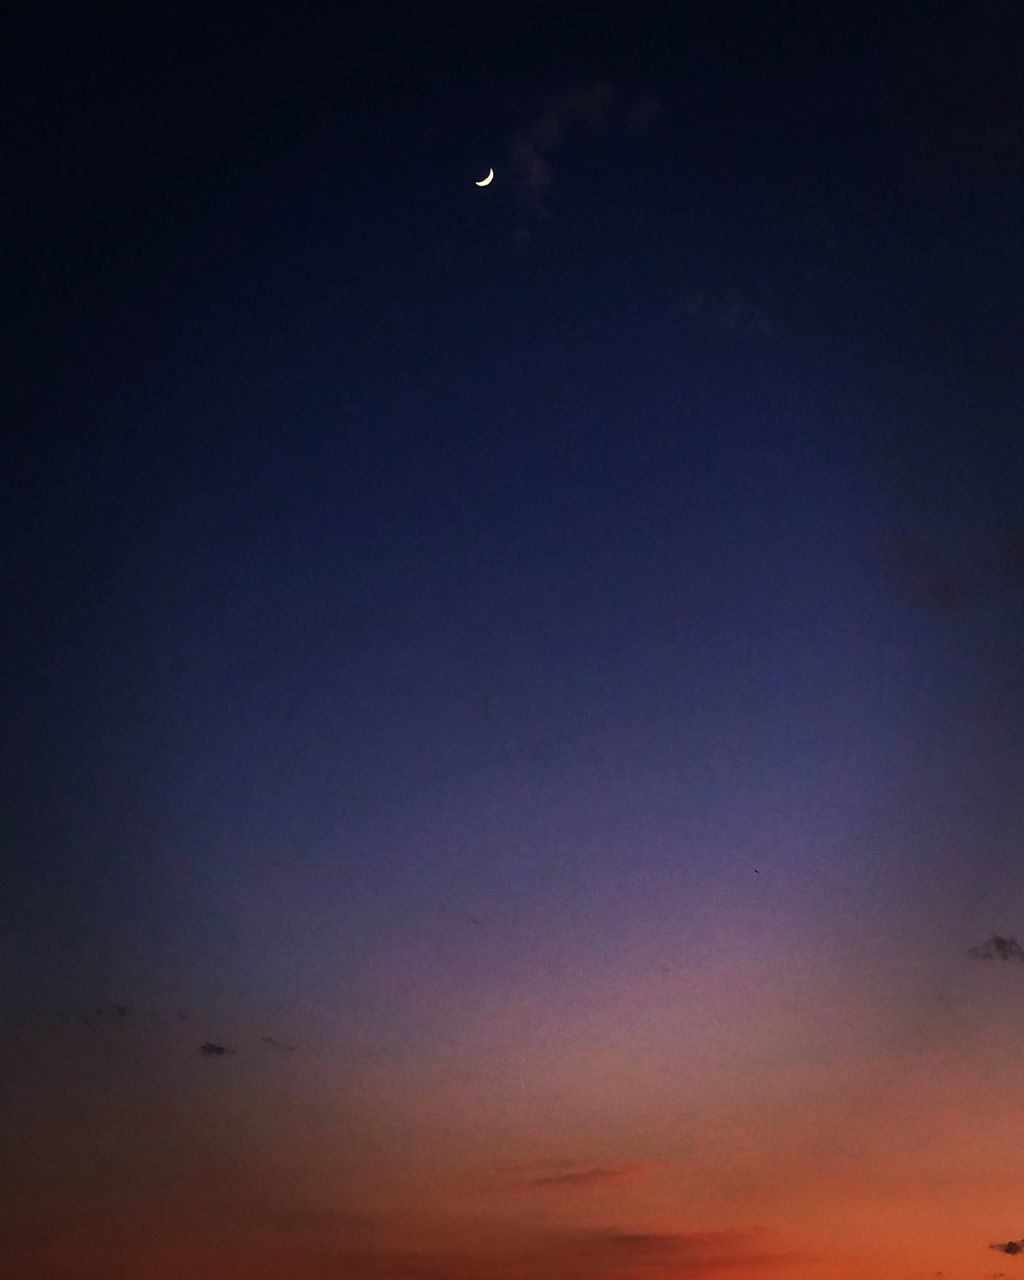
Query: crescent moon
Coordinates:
[486,182]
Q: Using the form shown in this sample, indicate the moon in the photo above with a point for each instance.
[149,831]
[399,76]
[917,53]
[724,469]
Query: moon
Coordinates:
[486,182]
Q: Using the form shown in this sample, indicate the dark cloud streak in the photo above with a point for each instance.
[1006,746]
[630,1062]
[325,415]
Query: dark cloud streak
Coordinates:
[583,1179]
[601,1254]
[277,1044]
[999,948]
[211,1050]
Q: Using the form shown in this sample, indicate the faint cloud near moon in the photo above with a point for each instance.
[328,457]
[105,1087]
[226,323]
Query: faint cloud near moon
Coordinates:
[596,108]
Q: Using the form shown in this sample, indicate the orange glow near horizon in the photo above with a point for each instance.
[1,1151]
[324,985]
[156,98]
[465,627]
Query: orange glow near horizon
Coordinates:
[587,1154]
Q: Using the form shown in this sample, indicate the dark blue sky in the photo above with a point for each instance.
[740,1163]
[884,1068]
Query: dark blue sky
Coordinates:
[340,481]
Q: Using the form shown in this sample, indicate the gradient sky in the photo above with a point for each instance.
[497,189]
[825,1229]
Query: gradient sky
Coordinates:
[546,656]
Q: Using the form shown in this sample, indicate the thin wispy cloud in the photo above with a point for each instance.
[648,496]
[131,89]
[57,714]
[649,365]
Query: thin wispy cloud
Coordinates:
[105,1011]
[276,1044]
[592,108]
[566,1175]
[583,1179]
[110,1011]
[151,1023]
[728,313]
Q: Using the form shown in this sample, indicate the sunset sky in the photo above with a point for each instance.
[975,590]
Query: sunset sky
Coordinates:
[530,672]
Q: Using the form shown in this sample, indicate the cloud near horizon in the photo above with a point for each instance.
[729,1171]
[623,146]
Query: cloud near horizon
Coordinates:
[602,1254]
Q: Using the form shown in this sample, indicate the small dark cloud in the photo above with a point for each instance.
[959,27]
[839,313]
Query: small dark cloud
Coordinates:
[211,1050]
[973,568]
[999,948]
[276,1044]
[105,1011]
[927,576]
[943,591]
[1011,1247]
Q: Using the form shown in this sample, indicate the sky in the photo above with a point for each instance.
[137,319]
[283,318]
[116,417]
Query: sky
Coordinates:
[513,693]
